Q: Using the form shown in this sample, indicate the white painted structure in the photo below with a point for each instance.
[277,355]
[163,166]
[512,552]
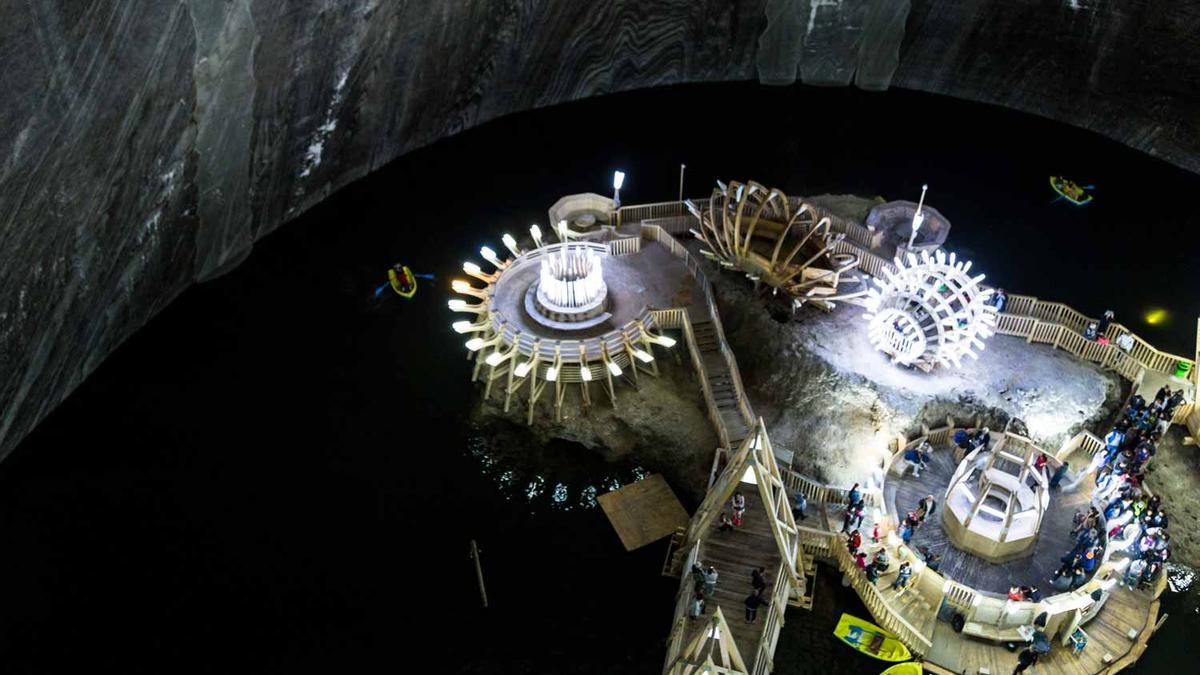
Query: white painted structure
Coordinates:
[930,311]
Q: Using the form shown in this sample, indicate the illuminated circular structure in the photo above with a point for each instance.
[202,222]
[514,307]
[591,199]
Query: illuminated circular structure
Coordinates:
[929,311]
[570,290]
[547,317]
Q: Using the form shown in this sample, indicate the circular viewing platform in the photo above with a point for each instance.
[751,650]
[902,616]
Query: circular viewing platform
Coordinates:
[995,530]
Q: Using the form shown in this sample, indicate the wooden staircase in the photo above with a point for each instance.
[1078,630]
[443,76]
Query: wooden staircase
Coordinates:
[735,554]
[720,381]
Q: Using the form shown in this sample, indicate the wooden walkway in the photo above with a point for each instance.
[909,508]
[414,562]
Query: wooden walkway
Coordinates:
[1054,538]
[735,554]
[720,380]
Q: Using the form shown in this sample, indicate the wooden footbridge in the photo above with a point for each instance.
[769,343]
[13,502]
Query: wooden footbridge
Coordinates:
[722,641]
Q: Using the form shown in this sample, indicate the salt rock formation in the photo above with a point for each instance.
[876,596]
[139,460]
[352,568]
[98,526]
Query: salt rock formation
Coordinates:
[146,145]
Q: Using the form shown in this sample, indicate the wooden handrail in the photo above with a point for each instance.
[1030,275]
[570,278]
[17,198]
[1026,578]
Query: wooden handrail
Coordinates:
[880,609]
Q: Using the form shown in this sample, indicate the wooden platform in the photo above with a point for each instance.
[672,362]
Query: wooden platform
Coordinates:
[735,554]
[643,512]
[1108,636]
[1053,540]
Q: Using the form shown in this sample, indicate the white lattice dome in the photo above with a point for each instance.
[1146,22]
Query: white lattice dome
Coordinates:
[930,311]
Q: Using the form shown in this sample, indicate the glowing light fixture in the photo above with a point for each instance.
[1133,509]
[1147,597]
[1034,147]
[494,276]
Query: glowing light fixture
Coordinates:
[490,256]
[475,344]
[664,340]
[510,244]
[618,181]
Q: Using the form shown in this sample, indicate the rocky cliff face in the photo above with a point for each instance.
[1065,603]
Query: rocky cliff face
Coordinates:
[145,145]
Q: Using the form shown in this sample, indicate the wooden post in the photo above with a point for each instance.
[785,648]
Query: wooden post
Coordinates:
[479,573]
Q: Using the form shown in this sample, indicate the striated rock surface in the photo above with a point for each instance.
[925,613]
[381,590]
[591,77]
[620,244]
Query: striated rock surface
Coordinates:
[146,145]
[661,426]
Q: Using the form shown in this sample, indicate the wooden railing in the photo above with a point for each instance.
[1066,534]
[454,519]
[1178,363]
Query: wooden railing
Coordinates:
[883,612]
[959,596]
[677,249]
[772,624]
[677,318]
[675,640]
[625,246]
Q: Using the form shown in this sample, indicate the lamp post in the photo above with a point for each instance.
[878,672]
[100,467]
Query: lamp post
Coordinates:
[918,217]
[681,168]
[618,181]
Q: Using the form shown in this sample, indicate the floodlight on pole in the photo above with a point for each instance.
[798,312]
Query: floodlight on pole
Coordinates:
[457,305]
[460,286]
[681,168]
[618,181]
[511,244]
[664,340]
[918,217]
[461,327]
[477,272]
[490,256]
[477,343]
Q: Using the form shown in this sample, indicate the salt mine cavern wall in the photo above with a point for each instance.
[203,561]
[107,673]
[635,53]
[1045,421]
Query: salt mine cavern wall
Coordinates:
[145,145]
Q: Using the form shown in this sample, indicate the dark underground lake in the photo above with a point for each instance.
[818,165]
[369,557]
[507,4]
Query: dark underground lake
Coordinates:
[276,474]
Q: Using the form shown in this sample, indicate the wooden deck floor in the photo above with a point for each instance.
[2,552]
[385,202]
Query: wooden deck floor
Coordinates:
[1107,633]
[1109,642]
[1053,541]
[735,554]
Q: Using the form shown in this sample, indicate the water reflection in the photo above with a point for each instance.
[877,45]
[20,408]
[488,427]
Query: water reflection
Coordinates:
[578,475]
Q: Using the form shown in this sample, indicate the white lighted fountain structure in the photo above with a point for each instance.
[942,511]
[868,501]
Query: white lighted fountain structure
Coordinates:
[570,292]
[929,311]
[546,318]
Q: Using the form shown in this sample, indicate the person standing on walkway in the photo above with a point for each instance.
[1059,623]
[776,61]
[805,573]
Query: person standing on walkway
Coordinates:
[710,581]
[726,523]
[697,576]
[753,602]
[925,507]
[696,609]
[853,497]
[853,542]
[738,503]
[799,505]
[916,460]
[1059,474]
[854,518]
[902,576]
[1106,319]
[1026,658]
[758,579]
